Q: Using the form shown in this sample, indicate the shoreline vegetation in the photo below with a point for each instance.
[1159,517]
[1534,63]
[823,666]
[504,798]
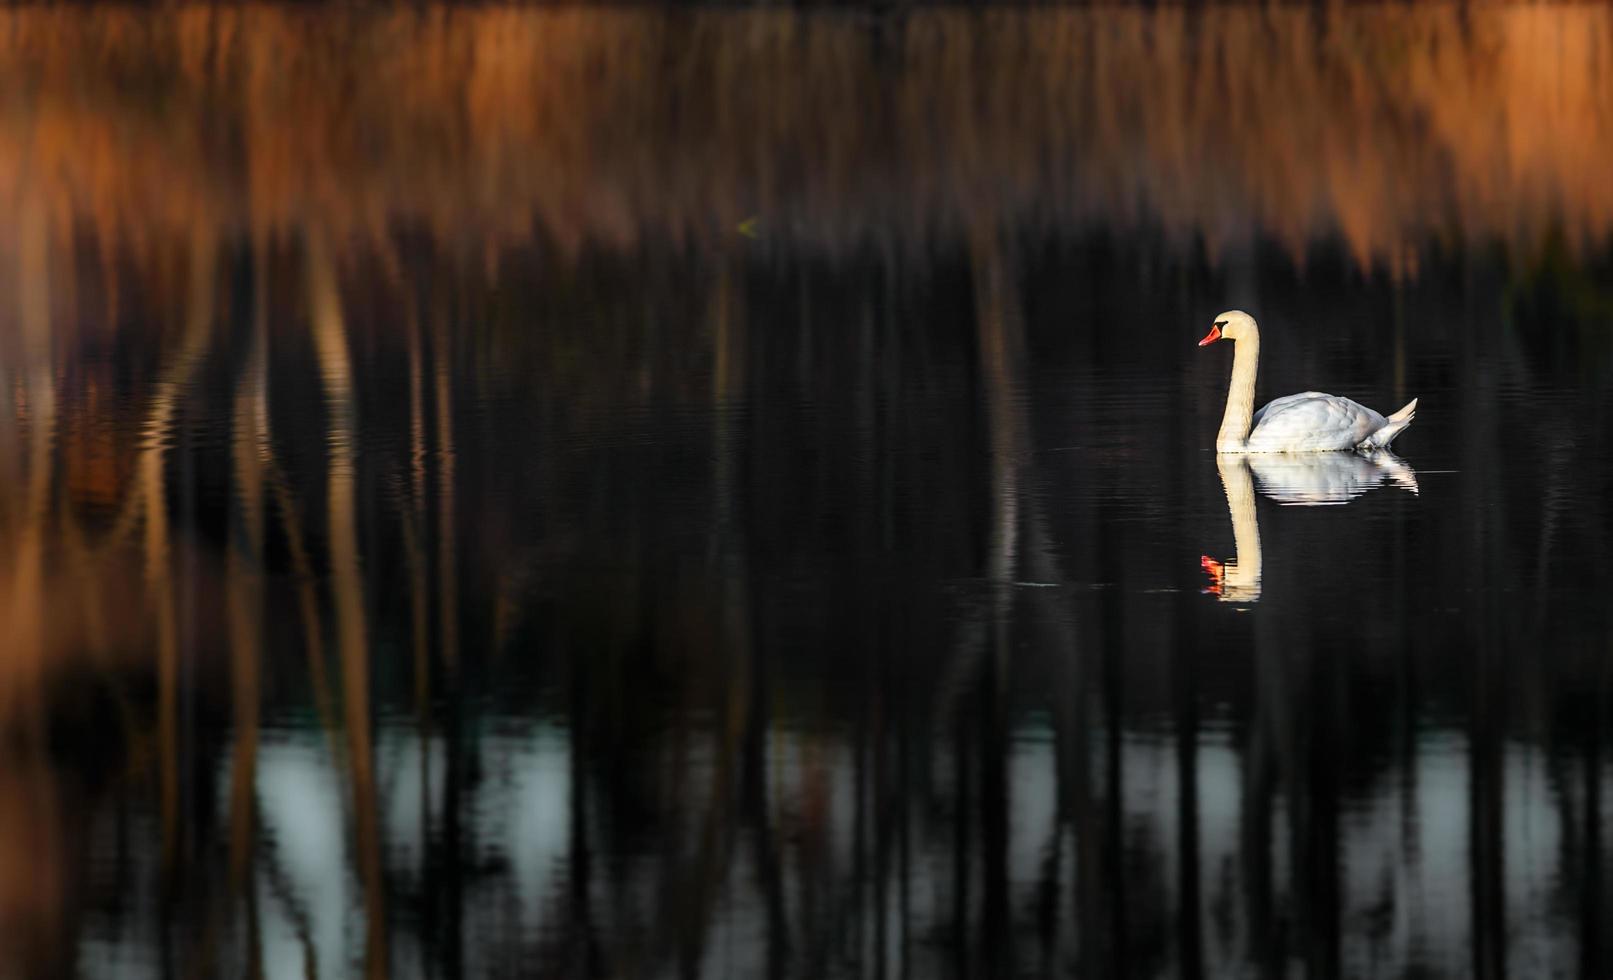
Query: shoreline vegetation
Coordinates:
[1391,130]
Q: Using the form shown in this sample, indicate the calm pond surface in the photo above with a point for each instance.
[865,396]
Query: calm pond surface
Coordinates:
[716,494]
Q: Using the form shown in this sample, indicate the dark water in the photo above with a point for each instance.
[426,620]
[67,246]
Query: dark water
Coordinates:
[619,493]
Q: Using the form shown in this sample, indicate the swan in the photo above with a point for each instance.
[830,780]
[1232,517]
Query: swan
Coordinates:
[1307,422]
[1311,480]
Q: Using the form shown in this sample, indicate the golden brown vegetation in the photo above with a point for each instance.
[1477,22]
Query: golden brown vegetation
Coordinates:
[1388,126]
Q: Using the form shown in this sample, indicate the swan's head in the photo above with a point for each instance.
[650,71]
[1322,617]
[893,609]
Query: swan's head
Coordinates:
[1231,325]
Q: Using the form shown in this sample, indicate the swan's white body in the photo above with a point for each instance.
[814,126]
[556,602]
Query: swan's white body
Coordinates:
[1307,422]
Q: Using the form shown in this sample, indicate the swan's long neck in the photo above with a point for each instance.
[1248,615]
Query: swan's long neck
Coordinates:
[1234,432]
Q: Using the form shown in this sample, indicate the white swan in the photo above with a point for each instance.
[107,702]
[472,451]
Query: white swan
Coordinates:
[1306,422]
[1313,480]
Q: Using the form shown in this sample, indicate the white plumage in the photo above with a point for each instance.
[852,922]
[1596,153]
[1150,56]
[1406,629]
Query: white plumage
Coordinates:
[1307,422]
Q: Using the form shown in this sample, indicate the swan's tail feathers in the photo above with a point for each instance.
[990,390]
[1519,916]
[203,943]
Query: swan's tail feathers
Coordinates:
[1395,425]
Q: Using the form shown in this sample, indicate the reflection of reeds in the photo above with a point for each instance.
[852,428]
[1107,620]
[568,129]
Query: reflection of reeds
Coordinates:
[330,338]
[1390,127]
[19,683]
[156,439]
[249,445]
[448,549]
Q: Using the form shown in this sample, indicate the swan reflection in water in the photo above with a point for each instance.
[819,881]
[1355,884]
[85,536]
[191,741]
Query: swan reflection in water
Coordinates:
[1292,479]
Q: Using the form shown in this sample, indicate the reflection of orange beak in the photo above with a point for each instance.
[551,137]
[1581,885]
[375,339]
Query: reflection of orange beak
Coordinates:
[1211,337]
[1216,570]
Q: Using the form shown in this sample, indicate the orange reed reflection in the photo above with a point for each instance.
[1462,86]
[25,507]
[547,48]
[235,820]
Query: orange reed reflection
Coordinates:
[1392,128]
[111,586]
[330,337]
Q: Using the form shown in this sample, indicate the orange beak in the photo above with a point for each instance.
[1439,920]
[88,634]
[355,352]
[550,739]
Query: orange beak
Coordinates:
[1215,570]
[1211,337]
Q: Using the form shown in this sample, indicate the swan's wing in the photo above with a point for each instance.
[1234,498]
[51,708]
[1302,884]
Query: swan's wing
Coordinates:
[1312,421]
[1277,404]
[1286,403]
